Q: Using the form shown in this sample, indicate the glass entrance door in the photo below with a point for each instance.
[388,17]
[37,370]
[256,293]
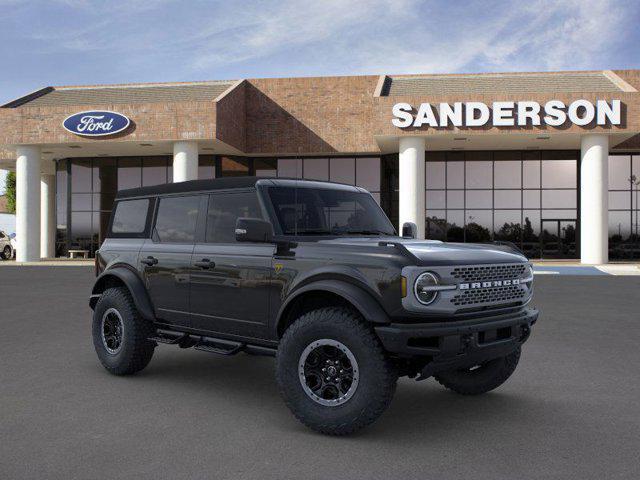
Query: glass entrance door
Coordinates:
[558,238]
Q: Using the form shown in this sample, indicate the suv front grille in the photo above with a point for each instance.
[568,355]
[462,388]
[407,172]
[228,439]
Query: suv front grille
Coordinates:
[489,295]
[490,272]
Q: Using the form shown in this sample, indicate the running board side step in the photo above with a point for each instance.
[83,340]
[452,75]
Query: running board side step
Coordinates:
[219,346]
[169,337]
[209,344]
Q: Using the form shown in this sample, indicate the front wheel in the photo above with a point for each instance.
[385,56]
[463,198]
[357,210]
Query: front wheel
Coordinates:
[333,373]
[6,253]
[480,378]
[120,334]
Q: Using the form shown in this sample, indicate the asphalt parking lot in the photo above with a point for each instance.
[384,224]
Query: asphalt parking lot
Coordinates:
[571,410]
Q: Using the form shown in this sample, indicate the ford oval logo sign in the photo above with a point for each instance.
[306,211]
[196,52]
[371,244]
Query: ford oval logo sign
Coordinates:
[96,123]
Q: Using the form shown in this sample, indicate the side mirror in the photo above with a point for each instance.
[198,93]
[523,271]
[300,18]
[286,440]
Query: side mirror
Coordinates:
[253,230]
[409,230]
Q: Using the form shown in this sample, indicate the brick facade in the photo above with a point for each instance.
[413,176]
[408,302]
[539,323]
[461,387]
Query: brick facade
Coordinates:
[290,116]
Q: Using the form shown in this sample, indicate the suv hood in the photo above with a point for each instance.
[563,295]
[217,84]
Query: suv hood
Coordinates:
[434,252]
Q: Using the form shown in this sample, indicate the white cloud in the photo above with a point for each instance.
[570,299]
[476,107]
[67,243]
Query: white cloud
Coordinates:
[169,40]
[260,31]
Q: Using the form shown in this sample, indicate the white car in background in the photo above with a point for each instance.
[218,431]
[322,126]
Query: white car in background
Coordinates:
[7,248]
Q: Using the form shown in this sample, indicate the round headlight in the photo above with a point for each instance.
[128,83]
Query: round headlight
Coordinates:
[423,288]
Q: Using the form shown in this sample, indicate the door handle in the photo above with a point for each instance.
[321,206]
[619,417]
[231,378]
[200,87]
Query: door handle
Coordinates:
[150,261]
[205,264]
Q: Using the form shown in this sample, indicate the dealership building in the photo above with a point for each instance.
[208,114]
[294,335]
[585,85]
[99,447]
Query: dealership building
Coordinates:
[547,161]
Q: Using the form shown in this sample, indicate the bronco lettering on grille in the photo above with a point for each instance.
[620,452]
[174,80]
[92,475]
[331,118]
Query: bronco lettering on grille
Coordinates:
[493,283]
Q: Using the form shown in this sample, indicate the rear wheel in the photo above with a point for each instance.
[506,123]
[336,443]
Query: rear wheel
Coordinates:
[120,334]
[480,378]
[333,373]
[6,253]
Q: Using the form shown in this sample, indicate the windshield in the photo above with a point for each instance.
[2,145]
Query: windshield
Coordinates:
[318,211]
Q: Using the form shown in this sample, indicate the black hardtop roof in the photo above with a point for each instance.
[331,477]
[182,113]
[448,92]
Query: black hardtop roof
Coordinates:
[225,183]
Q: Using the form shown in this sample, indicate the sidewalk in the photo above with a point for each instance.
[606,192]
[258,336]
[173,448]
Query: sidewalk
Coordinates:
[50,262]
[574,267]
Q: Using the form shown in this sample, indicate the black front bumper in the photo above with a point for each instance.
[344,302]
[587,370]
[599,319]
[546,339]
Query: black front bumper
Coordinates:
[450,345]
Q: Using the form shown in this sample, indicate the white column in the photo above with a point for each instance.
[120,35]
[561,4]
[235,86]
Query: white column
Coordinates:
[594,201]
[47,215]
[411,182]
[185,161]
[28,203]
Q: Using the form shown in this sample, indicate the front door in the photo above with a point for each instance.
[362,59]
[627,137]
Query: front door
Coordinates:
[230,280]
[166,258]
[558,238]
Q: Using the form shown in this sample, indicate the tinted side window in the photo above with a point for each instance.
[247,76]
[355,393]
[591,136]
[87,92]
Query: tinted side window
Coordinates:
[176,219]
[2,235]
[224,210]
[130,216]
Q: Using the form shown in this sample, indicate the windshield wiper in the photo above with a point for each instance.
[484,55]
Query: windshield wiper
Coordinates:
[312,231]
[366,232]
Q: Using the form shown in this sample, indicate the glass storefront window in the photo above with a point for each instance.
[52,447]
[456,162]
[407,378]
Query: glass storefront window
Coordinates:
[619,172]
[265,167]
[289,168]
[154,171]
[455,198]
[620,200]
[479,224]
[478,174]
[81,175]
[559,198]
[234,167]
[436,199]
[507,199]
[508,174]
[435,173]
[129,173]
[531,198]
[342,170]
[486,196]
[368,173]
[559,173]
[624,200]
[316,169]
[531,174]
[436,224]
[206,167]
[455,174]
[479,198]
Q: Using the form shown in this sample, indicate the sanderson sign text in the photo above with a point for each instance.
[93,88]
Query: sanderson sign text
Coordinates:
[507,114]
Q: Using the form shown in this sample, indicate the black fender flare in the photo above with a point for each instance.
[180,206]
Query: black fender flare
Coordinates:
[134,284]
[364,302]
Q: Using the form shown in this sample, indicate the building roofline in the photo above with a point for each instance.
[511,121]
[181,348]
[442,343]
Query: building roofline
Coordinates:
[28,97]
[382,79]
[141,85]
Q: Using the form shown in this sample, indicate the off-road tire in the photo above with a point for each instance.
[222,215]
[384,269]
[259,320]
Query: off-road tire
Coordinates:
[377,375]
[483,379]
[7,253]
[136,350]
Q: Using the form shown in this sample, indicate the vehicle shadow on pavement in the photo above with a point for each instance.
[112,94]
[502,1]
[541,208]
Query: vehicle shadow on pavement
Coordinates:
[248,382]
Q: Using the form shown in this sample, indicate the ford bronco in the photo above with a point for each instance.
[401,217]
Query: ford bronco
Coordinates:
[314,274]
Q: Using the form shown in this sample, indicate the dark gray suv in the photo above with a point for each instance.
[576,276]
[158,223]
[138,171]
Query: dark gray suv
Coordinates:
[314,274]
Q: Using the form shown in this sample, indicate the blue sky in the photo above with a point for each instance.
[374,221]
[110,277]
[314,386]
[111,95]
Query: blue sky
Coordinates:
[70,42]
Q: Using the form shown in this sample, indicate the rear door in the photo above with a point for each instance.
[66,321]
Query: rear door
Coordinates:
[229,279]
[165,259]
